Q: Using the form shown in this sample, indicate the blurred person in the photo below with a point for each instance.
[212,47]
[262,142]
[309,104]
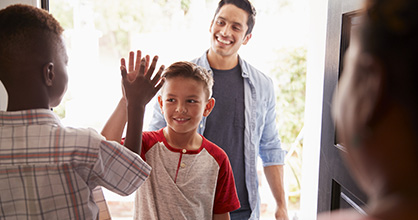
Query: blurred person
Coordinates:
[375,110]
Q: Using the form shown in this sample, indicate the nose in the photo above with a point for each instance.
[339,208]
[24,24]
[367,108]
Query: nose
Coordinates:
[225,30]
[181,108]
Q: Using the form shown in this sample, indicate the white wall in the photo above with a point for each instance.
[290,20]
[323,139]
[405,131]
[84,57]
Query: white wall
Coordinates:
[313,108]
[3,4]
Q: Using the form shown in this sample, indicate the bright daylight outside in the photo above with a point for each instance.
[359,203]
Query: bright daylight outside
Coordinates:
[100,32]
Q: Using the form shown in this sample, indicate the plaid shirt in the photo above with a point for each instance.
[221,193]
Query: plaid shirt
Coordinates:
[48,171]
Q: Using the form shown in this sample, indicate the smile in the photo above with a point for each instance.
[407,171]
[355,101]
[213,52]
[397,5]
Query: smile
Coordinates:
[227,42]
[181,119]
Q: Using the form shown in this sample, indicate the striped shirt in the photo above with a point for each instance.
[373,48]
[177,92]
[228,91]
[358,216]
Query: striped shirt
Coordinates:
[48,171]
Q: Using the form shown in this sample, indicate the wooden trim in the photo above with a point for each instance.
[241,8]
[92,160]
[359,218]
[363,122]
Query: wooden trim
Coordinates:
[45,4]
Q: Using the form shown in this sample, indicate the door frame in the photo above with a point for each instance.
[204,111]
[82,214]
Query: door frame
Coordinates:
[323,47]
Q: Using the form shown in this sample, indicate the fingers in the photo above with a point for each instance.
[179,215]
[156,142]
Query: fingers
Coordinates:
[159,85]
[131,61]
[123,72]
[138,59]
[122,62]
[157,76]
[142,68]
[151,69]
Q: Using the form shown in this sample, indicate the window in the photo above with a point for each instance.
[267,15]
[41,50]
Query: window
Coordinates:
[100,32]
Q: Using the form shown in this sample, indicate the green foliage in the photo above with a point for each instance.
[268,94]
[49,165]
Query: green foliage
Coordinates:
[185,5]
[290,75]
[63,12]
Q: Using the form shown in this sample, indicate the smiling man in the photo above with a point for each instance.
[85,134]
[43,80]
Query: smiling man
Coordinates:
[243,123]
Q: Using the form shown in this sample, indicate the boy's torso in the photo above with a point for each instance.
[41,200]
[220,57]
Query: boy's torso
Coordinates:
[182,184]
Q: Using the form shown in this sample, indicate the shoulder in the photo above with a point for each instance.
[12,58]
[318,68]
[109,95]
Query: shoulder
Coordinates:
[215,151]
[202,61]
[153,136]
[150,138]
[258,79]
[252,71]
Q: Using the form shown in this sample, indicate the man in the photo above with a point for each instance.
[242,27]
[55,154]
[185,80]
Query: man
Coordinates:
[243,122]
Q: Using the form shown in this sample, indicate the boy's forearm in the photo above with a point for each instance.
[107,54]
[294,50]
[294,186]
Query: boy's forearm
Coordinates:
[133,138]
[115,125]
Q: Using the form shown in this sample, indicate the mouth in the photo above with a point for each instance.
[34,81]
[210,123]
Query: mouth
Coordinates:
[223,40]
[181,120]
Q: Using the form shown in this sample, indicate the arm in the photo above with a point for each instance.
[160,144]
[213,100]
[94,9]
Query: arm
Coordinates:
[273,156]
[274,176]
[224,216]
[115,125]
[138,89]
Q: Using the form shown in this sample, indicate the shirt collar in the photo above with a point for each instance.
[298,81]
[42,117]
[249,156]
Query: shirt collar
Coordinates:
[242,63]
[28,117]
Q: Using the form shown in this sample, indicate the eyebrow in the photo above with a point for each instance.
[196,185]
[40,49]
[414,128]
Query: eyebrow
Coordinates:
[190,96]
[236,23]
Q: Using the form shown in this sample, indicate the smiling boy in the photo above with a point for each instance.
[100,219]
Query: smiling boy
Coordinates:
[192,177]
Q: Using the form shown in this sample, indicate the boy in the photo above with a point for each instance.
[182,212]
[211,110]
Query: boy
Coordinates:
[192,177]
[48,171]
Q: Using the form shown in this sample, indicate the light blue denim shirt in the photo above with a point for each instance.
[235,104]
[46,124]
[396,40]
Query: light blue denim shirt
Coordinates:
[261,135]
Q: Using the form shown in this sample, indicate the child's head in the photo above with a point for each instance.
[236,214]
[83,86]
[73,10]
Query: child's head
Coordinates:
[33,57]
[186,95]
[190,70]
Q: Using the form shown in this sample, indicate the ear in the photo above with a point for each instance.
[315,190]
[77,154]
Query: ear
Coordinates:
[48,73]
[247,38]
[160,102]
[210,27]
[209,106]
[374,84]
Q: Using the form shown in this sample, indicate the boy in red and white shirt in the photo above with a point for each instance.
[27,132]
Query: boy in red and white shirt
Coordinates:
[192,177]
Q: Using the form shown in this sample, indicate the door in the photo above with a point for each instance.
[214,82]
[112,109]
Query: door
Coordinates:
[336,189]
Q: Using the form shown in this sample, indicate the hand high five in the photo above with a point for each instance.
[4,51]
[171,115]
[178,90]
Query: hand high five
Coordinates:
[138,85]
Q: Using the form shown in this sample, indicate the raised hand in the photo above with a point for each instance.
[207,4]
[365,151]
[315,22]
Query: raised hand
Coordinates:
[138,85]
[138,88]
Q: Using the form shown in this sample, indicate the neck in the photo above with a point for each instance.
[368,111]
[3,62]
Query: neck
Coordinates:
[18,101]
[188,141]
[222,62]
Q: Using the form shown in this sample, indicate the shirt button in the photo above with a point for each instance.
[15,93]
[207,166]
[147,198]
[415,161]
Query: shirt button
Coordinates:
[201,125]
[183,165]
[184,151]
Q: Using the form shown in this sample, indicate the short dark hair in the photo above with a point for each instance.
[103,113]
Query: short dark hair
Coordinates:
[244,5]
[24,28]
[389,32]
[190,70]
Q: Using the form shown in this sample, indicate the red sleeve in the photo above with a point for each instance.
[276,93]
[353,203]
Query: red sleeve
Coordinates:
[226,198]
[149,138]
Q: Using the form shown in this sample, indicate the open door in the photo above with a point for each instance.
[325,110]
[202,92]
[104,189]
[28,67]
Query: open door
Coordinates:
[336,189]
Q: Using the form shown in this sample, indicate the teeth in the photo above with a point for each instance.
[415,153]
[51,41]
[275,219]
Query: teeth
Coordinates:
[224,41]
[181,119]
